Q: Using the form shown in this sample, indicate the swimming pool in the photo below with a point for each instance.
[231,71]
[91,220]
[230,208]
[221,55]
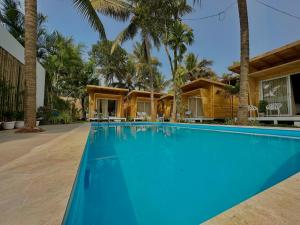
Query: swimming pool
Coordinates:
[177,174]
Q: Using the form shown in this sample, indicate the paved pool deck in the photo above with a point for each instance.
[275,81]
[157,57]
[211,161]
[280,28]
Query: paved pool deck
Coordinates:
[278,205]
[37,172]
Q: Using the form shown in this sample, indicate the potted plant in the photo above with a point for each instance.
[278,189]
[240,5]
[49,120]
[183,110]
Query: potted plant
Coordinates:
[20,120]
[262,107]
[9,122]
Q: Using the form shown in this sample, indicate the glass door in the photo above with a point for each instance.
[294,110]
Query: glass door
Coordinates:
[107,107]
[277,91]
[195,106]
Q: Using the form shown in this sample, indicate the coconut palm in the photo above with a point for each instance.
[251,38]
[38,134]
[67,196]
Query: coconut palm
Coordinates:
[177,37]
[146,21]
[244,30]
[198,68]
[113,8]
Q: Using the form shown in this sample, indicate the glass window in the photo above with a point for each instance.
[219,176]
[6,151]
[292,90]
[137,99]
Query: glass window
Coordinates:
[144,107]
[276,91]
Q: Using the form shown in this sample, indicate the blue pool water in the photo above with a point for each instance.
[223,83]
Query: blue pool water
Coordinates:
[168,174]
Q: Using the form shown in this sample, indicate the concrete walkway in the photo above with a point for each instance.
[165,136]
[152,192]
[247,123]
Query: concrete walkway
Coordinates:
[37,172]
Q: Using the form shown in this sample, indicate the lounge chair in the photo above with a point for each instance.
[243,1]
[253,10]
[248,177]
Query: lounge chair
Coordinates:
[116,119]
[195,119]
[273,107]
[252,108]
[141,116]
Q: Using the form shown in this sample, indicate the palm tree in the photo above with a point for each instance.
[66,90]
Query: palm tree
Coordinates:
[146,21]
[107,7]
[177,37]
[244,30]
[198,68]
[30,64]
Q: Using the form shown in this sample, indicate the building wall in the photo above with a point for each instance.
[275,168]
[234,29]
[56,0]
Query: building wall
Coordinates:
[14,48]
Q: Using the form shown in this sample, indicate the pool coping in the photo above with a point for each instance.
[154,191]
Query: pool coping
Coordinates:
[249,130]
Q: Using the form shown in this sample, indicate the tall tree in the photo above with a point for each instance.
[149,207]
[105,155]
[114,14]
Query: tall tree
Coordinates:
[177,37]
[176,9]
[244,64]
[112,67]
[146,21]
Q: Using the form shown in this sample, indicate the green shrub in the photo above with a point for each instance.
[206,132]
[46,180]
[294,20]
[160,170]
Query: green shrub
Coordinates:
[230,121]
[65,117]
[262,106]
[19,115]
[9,116]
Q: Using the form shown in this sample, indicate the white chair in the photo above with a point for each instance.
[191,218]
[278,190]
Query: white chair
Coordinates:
[140,116]
[273,107]
[252,108]
[188,113]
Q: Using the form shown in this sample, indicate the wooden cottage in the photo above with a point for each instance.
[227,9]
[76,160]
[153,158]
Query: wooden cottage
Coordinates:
[204,98]
[275,78]
[140,101]
[106,101]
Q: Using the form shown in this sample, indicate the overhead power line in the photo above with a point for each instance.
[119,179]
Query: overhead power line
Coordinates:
[278,10]
[220,15]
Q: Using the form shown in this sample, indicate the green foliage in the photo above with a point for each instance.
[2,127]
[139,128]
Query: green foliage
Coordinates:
[179,35]
[60,104]
[19,115]
[112,65]
[232,90]
[198,68]
[262,106]
[9,116]
[230,121]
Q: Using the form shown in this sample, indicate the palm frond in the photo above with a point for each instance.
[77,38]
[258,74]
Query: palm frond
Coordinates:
[128,33]
[87,10]
[118,9]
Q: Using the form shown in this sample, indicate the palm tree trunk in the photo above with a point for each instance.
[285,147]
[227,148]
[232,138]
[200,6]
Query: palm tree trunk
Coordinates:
[174,113]
[30,63]
[173,116]
[148,60]
[243,96]
[83,107]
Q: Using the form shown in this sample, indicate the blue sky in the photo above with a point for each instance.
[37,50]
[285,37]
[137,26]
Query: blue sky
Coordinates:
[214,39]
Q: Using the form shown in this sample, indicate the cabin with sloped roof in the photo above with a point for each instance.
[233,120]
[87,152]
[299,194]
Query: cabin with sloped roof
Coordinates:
[205,98]
[274,77]
[106,101]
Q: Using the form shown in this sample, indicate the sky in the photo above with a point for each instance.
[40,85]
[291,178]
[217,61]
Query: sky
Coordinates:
[216,38]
